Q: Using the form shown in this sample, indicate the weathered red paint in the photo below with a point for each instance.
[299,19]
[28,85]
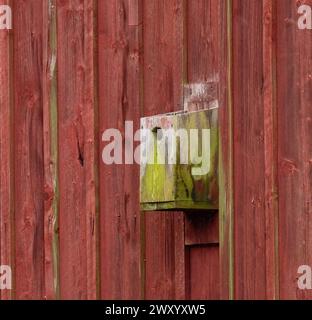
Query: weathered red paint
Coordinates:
[120,57]
[201,229]
[294,96]
[120,60]
[205,287]
[249,161]
[163,78]
[203,60]
[6,165]
[28,147]
[77,153]
[270,147]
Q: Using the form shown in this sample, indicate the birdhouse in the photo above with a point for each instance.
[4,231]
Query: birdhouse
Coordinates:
[179,161]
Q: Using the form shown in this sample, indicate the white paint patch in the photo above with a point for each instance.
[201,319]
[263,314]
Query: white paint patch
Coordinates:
[201,95]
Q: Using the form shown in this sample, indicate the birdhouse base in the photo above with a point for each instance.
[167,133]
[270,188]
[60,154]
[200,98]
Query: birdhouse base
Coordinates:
[178,206]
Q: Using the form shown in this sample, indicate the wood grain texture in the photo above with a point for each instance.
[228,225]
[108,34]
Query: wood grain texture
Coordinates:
[6,159]
[204,260]
[294,95]
[49,96]
[120,55]
[270,148]
[249,161]
[76,150]
[72,68]
[204,58]
[28,150]
[163,77]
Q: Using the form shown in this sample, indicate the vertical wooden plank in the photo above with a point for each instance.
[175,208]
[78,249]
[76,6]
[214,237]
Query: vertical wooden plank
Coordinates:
[91,123]
[6,160]
[76,135]
[270,145]
[204,260]
[206,62]
[203,41]
[28,148]
[294,96]
[249,160]
[119,101]
[49,95]
[180,257]
[163,77]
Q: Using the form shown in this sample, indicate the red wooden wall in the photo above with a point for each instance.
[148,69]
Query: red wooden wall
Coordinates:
[70,226]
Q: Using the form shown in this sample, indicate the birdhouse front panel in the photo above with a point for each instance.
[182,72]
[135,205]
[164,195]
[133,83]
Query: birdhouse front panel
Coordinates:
[179,161]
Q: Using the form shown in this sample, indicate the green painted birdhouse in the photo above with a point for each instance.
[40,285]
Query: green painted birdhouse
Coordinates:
[179,161]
